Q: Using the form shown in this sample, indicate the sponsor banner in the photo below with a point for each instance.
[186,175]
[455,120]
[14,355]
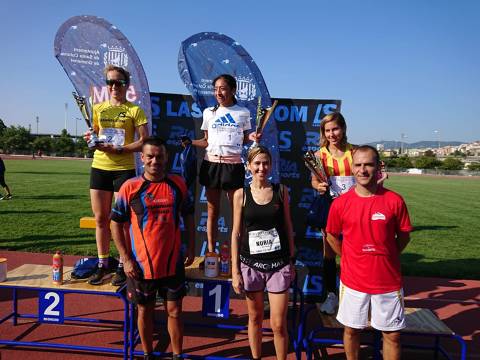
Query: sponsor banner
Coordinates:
[298,124]
[84,46]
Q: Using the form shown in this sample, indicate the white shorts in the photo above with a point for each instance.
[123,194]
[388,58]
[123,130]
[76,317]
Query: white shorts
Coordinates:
[386,310]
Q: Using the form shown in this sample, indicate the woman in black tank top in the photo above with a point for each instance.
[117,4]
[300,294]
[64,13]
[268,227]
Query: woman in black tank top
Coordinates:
[262,251]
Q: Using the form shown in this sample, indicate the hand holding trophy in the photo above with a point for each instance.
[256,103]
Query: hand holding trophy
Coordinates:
[82,104]
[314,164]
[263,115]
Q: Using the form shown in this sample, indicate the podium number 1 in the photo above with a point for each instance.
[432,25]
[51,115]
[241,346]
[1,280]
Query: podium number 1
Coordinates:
[217,291]
[216,299]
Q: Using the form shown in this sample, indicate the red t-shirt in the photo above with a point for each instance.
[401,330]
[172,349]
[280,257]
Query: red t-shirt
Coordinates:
[370,260]
[153,208]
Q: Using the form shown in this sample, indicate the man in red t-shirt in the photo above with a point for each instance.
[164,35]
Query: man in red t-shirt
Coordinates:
[152,203]
[375,226]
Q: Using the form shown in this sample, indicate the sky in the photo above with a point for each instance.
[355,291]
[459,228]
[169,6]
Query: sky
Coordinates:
[400,67]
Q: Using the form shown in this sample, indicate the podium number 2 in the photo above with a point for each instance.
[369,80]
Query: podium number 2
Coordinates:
[217,291]
[50,308]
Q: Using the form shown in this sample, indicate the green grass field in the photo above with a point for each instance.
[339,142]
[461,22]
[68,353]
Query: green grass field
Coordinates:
[51,196]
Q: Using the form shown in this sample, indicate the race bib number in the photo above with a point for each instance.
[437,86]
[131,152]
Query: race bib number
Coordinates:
[263,241]
[341,184]
[114,136]
[229,136]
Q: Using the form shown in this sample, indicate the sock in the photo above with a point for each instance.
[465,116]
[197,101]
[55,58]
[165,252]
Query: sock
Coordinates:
[103,261]
[330,275]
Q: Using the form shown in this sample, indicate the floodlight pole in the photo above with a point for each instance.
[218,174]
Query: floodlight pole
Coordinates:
[66,115]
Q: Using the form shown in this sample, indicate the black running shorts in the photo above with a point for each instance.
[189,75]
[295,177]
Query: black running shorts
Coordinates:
[222,176]
[109,180]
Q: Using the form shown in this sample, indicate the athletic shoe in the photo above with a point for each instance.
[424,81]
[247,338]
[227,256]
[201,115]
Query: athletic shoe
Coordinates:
[330,304]
[176,357]
[149,357]
[6,197]
[119,278]
[98,276]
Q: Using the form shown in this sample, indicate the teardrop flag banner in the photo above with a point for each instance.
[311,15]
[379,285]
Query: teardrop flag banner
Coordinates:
[204,56]
[84,45]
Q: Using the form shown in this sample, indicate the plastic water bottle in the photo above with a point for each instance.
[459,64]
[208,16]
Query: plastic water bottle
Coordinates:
[57,268]
[225,260]
[211,264]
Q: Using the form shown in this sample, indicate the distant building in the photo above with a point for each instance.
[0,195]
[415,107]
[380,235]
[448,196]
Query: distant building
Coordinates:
[471,149]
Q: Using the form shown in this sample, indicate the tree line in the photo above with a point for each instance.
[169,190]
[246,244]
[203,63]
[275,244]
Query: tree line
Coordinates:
[428,161]
[19,140]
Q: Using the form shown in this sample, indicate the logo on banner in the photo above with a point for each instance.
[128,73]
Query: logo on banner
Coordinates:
[176,164]
[285,140]
[203,196]
[246,89]
[312,139]
[116,55]
[313,285]
[289,169]
[322,110]
[202,226]
[312,233]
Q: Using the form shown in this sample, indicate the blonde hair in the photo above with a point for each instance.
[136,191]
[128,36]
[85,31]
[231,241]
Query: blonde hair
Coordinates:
[339,120]
[256,150]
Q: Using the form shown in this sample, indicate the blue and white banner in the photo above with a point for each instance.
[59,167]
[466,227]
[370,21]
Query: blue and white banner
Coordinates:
[85,45]
[204,56]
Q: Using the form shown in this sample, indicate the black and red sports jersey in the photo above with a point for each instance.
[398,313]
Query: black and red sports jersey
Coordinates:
[153,208]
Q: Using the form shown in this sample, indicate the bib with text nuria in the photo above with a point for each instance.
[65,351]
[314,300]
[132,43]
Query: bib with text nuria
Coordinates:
[263,241]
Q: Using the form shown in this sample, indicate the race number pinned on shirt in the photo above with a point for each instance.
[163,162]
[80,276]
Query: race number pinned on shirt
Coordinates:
[216,299]
[50,307]
[340,184]
[114,136]
[263,241]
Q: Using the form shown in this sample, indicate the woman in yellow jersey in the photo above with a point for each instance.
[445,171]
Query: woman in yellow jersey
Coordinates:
[115,121]
[336,156]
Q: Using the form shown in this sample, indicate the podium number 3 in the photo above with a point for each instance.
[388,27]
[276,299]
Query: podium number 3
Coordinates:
[50,308]
[217,291]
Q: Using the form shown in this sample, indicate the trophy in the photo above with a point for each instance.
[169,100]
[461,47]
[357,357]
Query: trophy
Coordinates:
[263,115]
[315,165]
[82,104]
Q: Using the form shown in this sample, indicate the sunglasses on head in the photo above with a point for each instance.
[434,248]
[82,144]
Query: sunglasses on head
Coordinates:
[116,82]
